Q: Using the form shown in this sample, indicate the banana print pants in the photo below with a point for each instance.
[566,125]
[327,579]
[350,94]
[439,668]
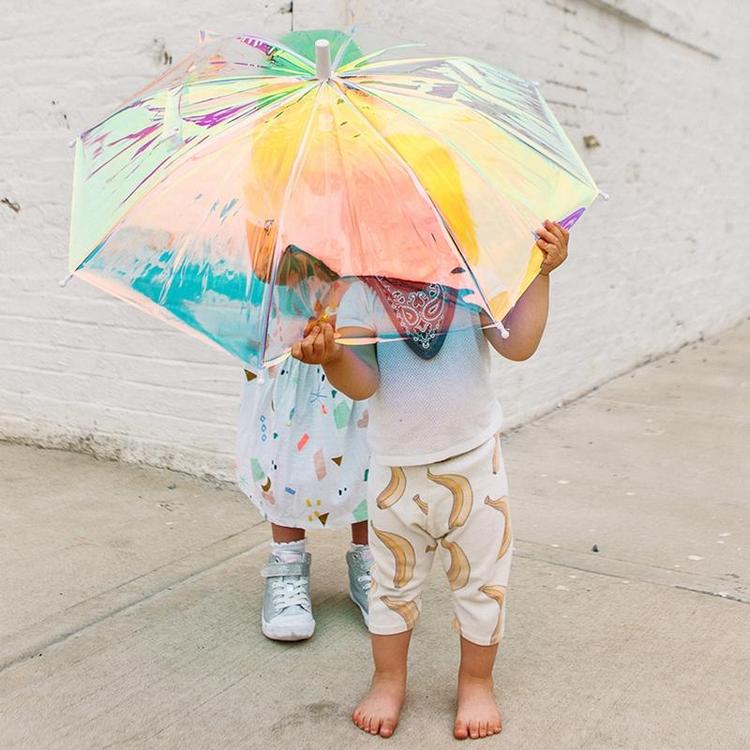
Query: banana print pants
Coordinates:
[457,509]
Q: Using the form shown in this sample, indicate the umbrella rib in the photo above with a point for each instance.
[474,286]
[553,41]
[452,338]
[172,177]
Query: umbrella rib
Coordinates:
[151,87]
[181,253]
[454,149]
[372,88]
[416,179]
[281,101]
[347,181]
[466,83]
[420,189]
[306,62]
[506,128]
[195,86]
[194,58]
[293,175]
[342,48]
[539,147]
[377,65]
[350,69]
[178,160]
[241,38]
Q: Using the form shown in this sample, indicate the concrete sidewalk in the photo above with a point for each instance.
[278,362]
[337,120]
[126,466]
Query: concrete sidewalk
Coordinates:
[130,597]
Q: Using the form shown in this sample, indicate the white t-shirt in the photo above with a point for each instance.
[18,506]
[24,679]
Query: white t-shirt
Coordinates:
[425,410]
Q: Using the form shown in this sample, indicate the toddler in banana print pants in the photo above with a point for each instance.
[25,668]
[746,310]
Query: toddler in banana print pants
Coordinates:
[437,483]
[458,510]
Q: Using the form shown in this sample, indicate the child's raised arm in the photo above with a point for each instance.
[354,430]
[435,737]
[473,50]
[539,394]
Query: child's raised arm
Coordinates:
[351,369]
[528,318]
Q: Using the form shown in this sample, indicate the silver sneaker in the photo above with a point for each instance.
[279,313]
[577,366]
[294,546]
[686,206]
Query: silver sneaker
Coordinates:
[360,580]
[287,609]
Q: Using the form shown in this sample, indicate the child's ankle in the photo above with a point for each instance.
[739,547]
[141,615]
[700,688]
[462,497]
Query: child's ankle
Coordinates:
[475,679]
[390,675]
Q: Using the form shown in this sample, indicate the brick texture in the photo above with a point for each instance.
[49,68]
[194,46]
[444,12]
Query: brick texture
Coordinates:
[660,85]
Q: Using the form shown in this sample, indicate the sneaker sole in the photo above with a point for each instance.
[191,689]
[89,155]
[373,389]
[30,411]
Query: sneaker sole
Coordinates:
[365,615]
[297,634]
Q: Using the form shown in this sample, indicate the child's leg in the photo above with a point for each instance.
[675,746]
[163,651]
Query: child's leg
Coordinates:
[403,552]
[359,532]
[286,534]
[287,608]
[379,710]
[476,553]
[477,714]
[359,564]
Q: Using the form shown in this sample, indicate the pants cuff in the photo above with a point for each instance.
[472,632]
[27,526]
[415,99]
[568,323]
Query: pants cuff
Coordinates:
[395,630]
[479,640]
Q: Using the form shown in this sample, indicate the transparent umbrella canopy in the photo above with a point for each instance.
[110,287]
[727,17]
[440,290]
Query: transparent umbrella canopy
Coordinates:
[238,193]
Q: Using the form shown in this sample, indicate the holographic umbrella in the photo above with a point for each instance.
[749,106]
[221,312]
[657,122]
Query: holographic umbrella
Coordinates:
[234,194]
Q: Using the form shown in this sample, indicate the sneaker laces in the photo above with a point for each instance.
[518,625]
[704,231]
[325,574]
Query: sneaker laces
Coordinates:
[289,591]
[365,580]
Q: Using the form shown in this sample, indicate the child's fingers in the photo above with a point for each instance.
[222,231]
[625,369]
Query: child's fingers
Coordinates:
[329,337]
[308,328]
[557,230]
[318,343]
[312,323]
[544,246]
[308,346]
[557,225]
[297,350]
[548,236]
[554,257]
[549,250]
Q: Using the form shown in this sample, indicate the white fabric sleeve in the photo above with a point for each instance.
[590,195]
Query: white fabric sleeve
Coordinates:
[357,308]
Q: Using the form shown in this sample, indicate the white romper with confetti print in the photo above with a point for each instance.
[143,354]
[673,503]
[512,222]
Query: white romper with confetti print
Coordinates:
[302,453]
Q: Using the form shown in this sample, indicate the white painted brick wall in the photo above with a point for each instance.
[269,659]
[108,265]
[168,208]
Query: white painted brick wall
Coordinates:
[662,85]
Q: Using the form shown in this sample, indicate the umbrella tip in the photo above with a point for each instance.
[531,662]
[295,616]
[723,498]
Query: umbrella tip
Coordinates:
[64,282]
[322,59]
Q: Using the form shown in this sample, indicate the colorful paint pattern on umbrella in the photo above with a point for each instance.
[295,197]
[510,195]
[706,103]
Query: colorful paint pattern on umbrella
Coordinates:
[237,183]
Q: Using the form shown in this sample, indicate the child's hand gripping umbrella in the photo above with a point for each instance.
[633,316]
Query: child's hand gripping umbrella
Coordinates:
[232,193]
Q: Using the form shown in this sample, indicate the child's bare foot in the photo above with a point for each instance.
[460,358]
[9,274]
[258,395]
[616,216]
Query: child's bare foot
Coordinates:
[477,714]
[379,710]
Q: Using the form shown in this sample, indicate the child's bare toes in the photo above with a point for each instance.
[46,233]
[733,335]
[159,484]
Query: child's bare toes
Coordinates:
[379,710]
[460,730]
[477,715]
[387,728]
